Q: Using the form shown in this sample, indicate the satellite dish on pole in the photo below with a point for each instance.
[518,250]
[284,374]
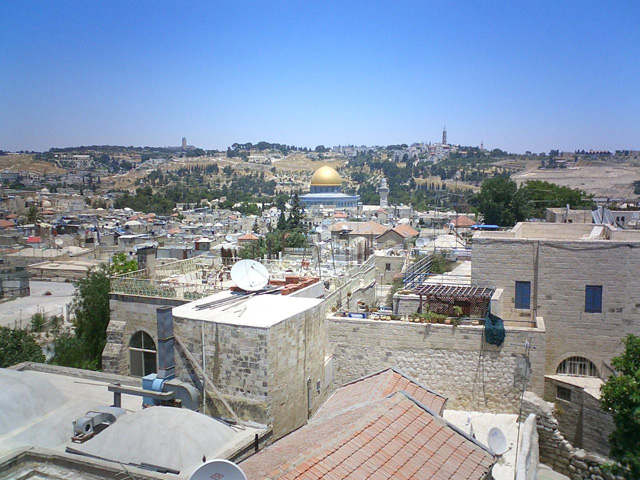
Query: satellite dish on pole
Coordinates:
[229,238]
[250,275]
[420,242]
[59,242]
[497,441]
[218,469]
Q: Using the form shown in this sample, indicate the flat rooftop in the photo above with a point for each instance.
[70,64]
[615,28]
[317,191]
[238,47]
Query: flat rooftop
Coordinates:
[260,311]
[582,232]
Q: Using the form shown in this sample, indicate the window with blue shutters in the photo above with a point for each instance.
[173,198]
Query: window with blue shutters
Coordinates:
[593,298]
[523,295]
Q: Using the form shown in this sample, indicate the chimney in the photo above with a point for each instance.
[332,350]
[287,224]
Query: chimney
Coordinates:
[166,343]
[147,259]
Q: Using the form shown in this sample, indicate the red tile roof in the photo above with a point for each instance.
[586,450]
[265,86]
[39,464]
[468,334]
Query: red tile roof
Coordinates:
[385,425]
[395,437]
[462,221]
[359,228]
[248,236]
[7,224]
[378,386]
[406,231]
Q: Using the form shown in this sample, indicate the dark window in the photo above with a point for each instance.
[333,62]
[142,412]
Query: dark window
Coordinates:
[142,354]
[523,295]
[593,298]
[388,267]
[563,393]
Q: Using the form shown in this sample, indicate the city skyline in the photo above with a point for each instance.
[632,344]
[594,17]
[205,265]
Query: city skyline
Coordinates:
[558,76]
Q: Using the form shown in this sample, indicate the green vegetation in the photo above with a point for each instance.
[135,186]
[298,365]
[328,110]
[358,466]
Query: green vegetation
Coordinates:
[120,264]
[289,232]
[502,203]
[439,264]
[18,346]
[621,396]
[37,322]
[91,308]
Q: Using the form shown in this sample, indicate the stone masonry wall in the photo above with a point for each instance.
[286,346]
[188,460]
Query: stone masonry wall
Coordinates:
[453,361]
[555,450]
[564,270]
[129,314]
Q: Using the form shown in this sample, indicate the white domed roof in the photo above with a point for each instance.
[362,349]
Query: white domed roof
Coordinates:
[165,436]
[46,204]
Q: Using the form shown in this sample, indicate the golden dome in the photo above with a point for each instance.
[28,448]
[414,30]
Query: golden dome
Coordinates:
[326,177]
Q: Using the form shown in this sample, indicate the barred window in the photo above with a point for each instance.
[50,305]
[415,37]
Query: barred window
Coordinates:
[578,366]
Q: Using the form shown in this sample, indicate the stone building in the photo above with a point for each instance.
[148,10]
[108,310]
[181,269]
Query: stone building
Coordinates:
[266,355]
[326,190]
[581,278]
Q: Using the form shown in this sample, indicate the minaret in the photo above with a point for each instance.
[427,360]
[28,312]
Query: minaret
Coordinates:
[184,143]
[444,135]
[384,193]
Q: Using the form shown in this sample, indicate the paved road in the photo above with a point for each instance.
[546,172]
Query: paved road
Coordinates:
[19,311]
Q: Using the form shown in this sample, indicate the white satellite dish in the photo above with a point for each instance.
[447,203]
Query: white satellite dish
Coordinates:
[229,238]
[250,275]
[497,441]
[59,242]
[344,227]
[218,469]
[319,229]
[420,242]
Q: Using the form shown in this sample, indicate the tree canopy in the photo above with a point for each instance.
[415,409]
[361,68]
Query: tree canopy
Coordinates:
[621,395]
[501,202]
[17,346]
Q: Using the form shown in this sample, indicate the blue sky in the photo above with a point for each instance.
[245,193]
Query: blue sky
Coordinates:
[516,75]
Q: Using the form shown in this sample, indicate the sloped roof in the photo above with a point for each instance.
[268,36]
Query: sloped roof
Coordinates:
[395,437]
[6,224]
[360,228]
[378,386]
[248,236]
[373,425]
[405,230]
[462,221]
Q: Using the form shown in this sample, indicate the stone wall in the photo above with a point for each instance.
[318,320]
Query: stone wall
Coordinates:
[262,373]
[555,450]
[529,456]
[564,268]
[395,263]
[580,419]
[454,361]
[129,314]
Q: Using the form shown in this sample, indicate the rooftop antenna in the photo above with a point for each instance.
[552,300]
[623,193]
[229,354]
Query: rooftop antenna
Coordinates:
[497,441]
[249,275]
[218,469]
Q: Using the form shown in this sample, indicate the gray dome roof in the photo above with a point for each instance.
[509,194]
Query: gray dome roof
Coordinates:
[25,397]
[165,436]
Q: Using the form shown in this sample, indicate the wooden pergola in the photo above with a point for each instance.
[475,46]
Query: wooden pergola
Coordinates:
[442,299]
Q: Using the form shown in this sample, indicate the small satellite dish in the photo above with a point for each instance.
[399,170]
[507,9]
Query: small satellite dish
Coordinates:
[344,226]
[497,441]
[420,242]
[59,242]
[218,469]
[319,229]
[229,238]
[250,275]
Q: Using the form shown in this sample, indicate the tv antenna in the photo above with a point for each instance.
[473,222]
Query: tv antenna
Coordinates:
[497,441]
[249,275]
[222,469]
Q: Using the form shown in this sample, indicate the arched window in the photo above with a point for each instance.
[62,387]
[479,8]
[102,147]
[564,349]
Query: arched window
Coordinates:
[578,366]
[142,354]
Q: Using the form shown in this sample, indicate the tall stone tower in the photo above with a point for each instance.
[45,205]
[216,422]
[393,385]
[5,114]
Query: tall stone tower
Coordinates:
[444,135]
[184,143]
[383,190]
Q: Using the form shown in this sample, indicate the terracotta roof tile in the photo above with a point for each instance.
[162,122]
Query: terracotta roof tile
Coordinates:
[385,437]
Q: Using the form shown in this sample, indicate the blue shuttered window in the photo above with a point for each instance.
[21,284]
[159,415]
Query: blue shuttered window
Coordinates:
[523,295]
[593,298]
